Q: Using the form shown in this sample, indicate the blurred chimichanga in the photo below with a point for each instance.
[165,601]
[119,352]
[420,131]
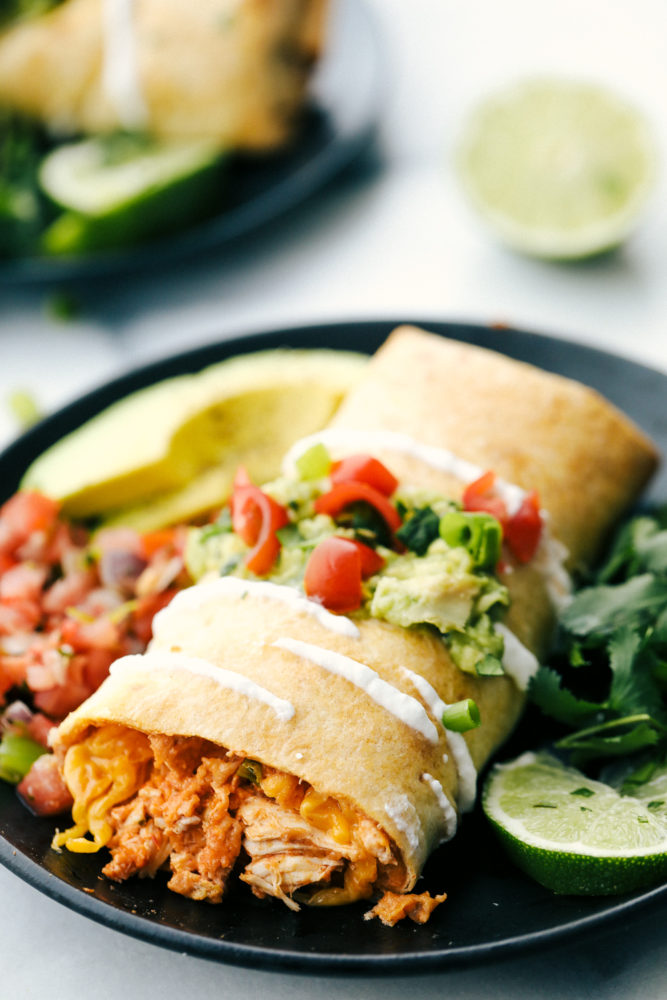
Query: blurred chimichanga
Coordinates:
[234,71]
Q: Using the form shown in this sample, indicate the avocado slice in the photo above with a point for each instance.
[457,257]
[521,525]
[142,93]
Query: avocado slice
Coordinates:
[170,451]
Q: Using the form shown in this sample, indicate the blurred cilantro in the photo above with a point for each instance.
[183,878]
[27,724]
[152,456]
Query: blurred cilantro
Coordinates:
[23,208]
[608,683]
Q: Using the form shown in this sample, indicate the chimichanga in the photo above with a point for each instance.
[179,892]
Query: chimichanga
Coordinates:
[233,71]
[311,749]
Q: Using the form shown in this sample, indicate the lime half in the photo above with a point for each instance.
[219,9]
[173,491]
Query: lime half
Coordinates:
[559,169]
[119,190]
[575,835]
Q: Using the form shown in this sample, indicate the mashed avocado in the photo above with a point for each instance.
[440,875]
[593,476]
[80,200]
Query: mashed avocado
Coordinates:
[424,581]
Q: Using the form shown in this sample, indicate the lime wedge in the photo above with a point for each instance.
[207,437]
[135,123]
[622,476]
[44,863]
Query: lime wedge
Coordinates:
[573,834]
[118,190]
[559,169]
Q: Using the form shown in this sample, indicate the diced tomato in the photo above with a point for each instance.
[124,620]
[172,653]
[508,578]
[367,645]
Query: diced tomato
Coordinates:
[60,700]
[39,728]
[371,561]
[256,517]
[22,582]
[145,610]
[333,574]
[24,514]
[342,495]
[524,529]
[43,789]
[6,562]
[69,591]
[479,496]
[153,541]
[364,469]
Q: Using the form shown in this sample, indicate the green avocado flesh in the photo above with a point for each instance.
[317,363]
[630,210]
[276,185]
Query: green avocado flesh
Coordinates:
[169,452]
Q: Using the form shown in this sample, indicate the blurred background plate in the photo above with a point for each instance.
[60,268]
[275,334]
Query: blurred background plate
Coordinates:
[347,92]
[493,909]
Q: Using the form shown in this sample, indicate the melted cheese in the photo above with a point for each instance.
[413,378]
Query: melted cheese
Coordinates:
[106,768]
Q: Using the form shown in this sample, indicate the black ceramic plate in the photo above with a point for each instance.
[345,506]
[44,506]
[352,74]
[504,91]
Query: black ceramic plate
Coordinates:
[347,93]
[493,910]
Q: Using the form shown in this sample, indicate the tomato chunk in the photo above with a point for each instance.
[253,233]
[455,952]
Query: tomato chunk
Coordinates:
[341,495]
[371,561]
[364,469]
[479,496]
[333,574]
[256,517]
[524,529]
[43,789]
[23,514]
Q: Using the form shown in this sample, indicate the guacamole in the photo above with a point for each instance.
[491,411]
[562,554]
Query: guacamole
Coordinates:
[433,566]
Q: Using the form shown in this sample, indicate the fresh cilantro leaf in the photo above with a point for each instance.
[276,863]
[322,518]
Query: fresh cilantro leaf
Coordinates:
[547,693]
[420,530]
[587,745]
[633,689]
[597,612]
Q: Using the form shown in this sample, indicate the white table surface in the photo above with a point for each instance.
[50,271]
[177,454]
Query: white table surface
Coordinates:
[391,239]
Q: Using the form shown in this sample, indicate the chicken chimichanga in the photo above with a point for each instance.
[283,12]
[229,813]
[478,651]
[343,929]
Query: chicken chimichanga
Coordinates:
[292,717]
[232,71]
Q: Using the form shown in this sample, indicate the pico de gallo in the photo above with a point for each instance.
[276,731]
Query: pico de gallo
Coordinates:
[71,602]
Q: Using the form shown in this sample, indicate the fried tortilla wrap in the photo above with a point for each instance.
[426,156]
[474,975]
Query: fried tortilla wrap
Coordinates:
[233,71]
[263,731]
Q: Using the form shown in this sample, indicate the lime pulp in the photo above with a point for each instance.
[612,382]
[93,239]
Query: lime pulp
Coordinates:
[557,168]
[573,834]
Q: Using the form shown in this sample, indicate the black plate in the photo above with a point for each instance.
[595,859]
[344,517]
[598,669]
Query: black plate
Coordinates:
[347,93]
[493,910]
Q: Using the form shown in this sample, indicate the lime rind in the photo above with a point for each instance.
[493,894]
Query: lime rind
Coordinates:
[80,176]
[573,834]
[558,169]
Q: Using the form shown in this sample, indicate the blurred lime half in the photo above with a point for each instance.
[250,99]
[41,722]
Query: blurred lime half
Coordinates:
[573,834]
[559,169]
[118,190]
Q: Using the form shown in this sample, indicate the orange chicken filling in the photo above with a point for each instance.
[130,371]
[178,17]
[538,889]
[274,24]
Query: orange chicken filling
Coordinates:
[201,811]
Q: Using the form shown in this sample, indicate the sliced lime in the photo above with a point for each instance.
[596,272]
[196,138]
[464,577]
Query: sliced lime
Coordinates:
[559,169]
[573,834]
[119,190]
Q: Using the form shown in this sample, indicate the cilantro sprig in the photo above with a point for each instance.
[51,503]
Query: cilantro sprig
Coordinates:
[608,684]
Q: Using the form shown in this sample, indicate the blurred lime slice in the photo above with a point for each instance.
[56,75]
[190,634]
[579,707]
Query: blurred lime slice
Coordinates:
[118,190]
[576,835]
[559,169]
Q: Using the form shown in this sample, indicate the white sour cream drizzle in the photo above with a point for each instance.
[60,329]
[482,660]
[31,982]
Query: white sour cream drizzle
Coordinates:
[193,598]
[167,661]
[449,812]
[120,70]
[551,554]
[518,662]
[404,816]
[464,766]
[337,441]
[402,706]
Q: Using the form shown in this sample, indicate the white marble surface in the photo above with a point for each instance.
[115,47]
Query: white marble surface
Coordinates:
[392,239]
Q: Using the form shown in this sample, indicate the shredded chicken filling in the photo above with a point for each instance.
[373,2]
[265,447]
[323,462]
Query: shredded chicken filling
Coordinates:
[202,811]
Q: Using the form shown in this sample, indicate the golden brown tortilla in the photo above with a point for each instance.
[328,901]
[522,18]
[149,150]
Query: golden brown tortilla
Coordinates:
[234,71]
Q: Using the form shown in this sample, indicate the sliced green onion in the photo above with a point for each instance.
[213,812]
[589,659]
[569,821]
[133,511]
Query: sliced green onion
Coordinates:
[17,755]
[251,770]
[475,531]
[461,716]
[313,463]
